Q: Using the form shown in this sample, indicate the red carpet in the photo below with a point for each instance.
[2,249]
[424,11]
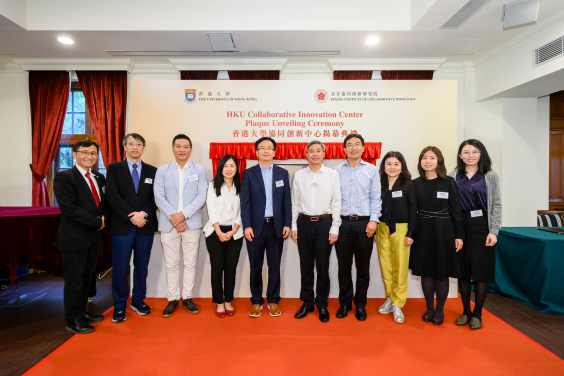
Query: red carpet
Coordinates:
[203,344]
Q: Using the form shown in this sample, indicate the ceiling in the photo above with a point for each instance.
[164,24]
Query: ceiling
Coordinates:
[408,29]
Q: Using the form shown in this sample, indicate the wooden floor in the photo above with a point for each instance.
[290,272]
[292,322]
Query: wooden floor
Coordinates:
[30,332]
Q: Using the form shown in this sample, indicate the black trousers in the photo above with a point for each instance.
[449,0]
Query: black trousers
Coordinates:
[256,249]
[353,241]
[78,268]
[224,257]
[314,249]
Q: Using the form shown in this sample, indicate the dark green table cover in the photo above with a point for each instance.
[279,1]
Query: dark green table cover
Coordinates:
[530,268]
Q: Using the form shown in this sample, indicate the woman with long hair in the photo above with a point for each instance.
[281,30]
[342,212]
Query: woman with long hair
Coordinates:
[394,233]
[439,232]
[480,201]
[224,232]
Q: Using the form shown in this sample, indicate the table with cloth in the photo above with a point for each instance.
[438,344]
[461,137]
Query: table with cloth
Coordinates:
[530,268]
[27,235]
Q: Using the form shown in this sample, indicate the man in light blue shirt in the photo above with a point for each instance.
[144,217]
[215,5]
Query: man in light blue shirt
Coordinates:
[360,209]
[267,177]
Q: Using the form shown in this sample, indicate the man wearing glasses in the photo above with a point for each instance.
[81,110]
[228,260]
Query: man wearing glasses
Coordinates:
[316,217]
[80,193]
[133,225]
[266,213]
[361,207]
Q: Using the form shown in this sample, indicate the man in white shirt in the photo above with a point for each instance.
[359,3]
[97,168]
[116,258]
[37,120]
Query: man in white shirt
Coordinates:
[180,189]
[316,217]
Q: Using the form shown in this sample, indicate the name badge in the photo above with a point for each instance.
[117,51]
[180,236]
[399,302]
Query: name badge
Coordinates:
[315,185]
[279,183]
[149,181]
[351,182]
[476,213]
[193,177]
[442,195]
[397,194]
[104,189]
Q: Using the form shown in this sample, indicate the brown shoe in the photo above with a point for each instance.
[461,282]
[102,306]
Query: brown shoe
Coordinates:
[274,309]
[170,308]
[190,306]
[255,310]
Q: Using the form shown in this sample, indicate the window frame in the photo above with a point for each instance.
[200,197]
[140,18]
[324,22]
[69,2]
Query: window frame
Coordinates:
[70,140]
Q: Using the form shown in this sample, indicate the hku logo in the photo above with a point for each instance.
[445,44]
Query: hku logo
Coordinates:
[190,95]
[321,96]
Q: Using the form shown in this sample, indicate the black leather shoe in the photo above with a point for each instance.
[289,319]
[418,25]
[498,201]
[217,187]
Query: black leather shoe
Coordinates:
[91,319]
[190,306]
[302,312]
[344,311]
[361,313]
[170,308]
[79,327]
[323,314]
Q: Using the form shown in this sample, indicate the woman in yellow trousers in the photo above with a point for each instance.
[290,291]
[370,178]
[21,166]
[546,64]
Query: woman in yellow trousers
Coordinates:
[394,233]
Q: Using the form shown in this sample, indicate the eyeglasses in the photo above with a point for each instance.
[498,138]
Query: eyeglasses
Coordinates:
[473,152]
[86,154]
[263,148]
[130,144]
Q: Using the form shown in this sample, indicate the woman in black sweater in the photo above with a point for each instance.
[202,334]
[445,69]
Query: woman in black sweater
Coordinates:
[440,232]
[395,229]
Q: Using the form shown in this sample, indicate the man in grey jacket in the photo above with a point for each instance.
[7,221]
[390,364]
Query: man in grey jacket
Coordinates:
[180,193]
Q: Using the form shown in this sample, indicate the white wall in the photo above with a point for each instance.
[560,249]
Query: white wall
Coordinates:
[15,140]
[525,160]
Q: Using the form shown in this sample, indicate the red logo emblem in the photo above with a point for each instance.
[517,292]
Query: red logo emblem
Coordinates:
[321,96]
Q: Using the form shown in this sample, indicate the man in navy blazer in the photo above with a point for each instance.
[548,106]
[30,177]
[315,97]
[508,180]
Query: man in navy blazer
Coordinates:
[266,213]
[129,192]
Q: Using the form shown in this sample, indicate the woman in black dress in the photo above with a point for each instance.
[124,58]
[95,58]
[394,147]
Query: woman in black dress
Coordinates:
[480,201]
[439,232]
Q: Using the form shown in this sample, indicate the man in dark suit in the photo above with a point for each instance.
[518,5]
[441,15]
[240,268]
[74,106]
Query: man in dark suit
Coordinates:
[80,193]
[266,213]
[129,191]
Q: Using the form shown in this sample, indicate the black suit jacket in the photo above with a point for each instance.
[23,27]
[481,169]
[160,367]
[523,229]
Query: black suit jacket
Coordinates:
[80,218]
[123,200]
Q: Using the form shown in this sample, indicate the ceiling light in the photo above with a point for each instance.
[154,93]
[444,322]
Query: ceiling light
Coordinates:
[372,41]
[65,40]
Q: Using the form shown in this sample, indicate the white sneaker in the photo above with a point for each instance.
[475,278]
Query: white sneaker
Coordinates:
[398,314]
[387,307]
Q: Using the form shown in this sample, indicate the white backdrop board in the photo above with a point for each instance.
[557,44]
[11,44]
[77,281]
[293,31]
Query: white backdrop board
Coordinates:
[404,116]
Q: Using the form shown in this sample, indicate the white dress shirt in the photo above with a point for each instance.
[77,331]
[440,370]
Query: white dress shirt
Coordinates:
[317,193]
[181,183]
[83,172]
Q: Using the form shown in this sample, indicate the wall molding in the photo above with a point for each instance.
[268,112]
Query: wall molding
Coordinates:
[9,67]
[553,22]
[306,68]
[387,64]
[75,64]
[154,68]
[228,64]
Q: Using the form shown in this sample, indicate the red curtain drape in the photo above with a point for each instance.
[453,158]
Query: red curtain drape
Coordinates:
[287,150]
[407,75]
[106,97]
[352,75]
[254,75]
[48,99]
[198,75]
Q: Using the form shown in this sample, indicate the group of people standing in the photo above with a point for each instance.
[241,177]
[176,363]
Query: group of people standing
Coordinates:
[437,225]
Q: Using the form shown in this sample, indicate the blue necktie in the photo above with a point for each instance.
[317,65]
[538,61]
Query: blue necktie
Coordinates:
[135,176]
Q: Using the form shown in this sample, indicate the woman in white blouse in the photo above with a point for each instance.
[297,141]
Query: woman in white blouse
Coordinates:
[224,232]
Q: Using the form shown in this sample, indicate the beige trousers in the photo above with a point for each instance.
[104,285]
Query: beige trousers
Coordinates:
[171,241]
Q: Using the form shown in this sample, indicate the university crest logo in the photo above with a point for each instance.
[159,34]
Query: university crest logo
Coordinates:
[190,95]
[321,96]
